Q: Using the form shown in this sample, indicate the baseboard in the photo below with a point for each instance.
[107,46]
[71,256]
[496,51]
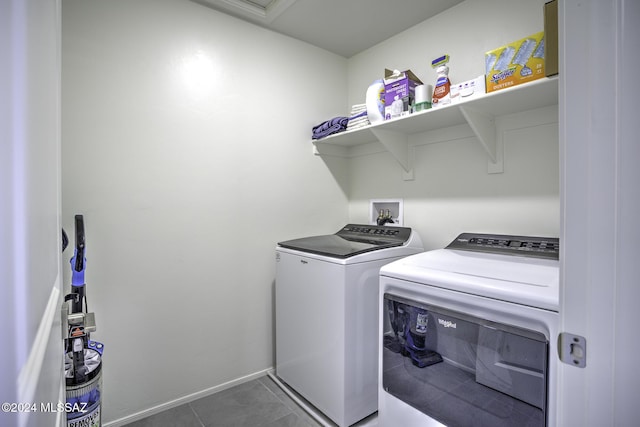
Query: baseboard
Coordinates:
[186,399]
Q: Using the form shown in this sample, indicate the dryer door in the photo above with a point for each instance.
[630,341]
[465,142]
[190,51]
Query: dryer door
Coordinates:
[463,370]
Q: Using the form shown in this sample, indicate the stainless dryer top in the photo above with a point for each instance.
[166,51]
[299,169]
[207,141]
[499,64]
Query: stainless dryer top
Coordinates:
[484,265]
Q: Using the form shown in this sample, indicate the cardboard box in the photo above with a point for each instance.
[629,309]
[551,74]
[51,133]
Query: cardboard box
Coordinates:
[519,62]
[467,90]
[403,85]
[551,38]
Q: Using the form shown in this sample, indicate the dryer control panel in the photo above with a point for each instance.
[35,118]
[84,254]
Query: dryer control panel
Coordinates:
[537,247]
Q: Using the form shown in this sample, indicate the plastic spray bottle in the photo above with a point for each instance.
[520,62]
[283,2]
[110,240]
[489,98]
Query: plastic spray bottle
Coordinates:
[442,89]
[375,102]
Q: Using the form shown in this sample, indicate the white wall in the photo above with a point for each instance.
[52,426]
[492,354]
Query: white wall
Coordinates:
[186,186]
[31,350]
[452,191]
[464,32]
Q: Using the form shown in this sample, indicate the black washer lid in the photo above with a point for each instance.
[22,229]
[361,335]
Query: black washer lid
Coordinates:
[351,240]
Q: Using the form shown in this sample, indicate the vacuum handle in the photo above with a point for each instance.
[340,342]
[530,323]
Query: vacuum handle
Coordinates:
[79,258]
[78,261]
[78,264]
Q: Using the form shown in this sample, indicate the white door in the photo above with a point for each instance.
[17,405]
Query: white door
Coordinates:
[31,369]
[600,191]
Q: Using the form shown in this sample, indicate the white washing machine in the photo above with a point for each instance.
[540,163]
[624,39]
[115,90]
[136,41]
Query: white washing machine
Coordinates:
[469,334]
[327,315]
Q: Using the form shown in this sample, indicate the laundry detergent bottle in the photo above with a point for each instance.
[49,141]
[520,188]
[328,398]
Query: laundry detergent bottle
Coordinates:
[375,102]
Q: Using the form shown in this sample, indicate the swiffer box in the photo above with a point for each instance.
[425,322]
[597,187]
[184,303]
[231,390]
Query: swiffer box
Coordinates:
[519,62]
[401,84]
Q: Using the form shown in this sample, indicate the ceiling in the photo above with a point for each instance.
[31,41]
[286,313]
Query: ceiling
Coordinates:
[344,27]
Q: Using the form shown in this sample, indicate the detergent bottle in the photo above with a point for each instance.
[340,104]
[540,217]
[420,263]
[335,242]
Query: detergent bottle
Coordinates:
[442,89]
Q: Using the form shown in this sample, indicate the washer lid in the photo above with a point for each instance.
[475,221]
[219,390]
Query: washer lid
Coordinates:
[351,240]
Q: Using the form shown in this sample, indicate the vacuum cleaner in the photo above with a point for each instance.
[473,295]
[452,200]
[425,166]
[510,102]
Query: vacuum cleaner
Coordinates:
[83,356]
[409,325]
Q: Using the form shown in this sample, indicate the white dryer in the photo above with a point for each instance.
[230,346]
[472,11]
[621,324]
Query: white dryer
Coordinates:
[468,334]
[327,315]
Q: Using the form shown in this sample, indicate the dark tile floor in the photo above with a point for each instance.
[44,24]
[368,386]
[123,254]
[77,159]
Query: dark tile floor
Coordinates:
[259,402]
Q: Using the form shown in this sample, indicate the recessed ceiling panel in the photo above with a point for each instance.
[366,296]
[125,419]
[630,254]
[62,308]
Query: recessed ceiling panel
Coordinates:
[261,3]
[261,12]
